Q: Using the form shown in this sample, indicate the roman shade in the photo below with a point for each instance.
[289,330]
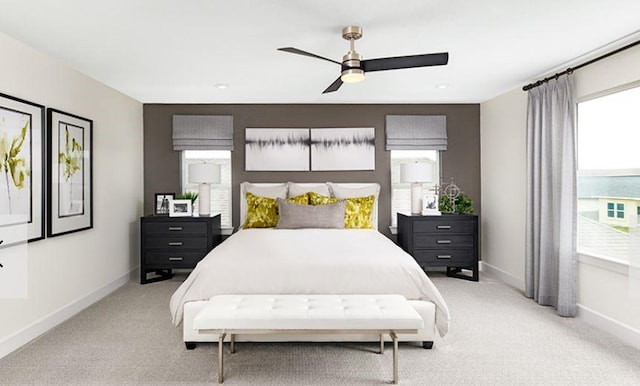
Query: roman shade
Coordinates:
[416,132]
[202,132]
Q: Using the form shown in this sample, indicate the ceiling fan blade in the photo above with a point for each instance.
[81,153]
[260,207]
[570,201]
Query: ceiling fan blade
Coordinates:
[334,86]
[411,61]
[305,53]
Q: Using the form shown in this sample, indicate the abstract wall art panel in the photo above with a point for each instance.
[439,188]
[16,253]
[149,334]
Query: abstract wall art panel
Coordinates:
[276,149]
[343,149]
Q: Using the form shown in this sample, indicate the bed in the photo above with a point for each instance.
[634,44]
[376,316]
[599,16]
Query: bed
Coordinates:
[308,261]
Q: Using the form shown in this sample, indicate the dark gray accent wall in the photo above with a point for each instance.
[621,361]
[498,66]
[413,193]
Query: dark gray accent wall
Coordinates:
[461,160]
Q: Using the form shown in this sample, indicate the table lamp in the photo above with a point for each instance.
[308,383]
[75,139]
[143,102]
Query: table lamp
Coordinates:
[204,174]
[416,173]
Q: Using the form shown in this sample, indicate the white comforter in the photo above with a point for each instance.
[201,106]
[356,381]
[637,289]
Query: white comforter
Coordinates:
[309,261]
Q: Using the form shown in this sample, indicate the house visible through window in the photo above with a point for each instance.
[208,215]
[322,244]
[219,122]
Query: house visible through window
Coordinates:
[220,193]
[608,176]
[401,191]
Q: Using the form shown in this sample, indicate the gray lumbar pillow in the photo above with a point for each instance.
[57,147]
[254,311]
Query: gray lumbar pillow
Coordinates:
[297,216]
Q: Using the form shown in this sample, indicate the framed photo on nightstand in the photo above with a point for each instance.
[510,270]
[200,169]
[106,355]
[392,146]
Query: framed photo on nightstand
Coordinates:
[162,202]
[180,208]
[430,205]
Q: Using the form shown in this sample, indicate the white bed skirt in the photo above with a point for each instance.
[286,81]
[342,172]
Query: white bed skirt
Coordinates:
[426,309]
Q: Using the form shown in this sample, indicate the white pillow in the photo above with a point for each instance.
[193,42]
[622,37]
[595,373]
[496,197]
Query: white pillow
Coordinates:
[299,189]
[341,191]
[273,191]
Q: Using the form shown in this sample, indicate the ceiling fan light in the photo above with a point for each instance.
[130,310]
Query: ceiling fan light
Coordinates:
[352,75]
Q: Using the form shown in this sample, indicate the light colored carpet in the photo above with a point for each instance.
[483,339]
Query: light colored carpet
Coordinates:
[497,337]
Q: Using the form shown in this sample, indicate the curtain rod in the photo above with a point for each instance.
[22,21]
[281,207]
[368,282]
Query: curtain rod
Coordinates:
[572,69]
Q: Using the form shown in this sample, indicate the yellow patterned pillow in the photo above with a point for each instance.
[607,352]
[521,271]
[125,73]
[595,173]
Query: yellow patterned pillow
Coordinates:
[301,199]
[319,199]
[262,212]
[359,209]
[359,212]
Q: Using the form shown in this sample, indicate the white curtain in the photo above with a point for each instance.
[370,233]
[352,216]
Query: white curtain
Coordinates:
[551,259]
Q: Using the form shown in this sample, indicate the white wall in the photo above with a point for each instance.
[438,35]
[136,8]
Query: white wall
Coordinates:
[503,175]
[67,273]
[603,290]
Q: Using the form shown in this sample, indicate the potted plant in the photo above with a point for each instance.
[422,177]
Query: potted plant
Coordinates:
[463,204]
[188,196]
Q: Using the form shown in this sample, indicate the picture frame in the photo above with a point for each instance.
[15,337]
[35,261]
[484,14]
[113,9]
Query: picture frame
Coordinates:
[276,149]
[180,208]
[22,191]
[430,205]
[70,173]
[342,149]
[162,201]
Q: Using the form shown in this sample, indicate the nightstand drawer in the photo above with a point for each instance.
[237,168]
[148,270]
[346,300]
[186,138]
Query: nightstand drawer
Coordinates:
[176,228]
[175,243]
[443,226]
[443,256]
[176,259]
[424,240]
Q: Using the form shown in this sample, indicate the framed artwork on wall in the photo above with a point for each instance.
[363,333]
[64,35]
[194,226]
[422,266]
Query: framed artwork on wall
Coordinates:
[21,170]
[343,149]
[276,149]
[70,182]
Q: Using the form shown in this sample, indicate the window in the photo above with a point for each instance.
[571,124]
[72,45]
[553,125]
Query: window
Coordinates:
[220,193]
[401,191]
[608,176]
[615,210]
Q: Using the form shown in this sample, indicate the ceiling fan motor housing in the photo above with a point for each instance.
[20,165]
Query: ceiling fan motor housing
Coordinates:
[351,69]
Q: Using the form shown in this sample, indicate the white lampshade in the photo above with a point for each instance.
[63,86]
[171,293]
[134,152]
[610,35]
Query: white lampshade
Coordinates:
[204,173]
[416,172]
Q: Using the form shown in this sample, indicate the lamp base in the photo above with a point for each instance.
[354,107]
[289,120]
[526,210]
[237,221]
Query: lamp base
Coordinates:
[416,197]
[204,205]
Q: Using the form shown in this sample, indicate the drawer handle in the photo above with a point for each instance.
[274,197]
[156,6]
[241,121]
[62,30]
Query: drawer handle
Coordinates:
[444,256]
[443,242]
[175,259]
[175,243]
[175,228]
[443,227]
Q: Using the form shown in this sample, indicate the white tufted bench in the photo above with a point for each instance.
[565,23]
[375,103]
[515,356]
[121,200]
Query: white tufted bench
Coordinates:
[264,314]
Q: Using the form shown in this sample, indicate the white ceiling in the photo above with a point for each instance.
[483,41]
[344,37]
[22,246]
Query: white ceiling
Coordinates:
[171,51]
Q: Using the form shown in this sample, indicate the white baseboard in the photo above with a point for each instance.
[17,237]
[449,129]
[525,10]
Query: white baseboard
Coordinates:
[501,275]
[627,334]
[39,327]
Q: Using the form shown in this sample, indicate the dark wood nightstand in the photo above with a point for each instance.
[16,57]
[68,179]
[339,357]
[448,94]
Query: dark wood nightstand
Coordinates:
[441,241]
[169,243]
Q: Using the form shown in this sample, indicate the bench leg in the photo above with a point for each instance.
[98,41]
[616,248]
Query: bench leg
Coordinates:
[395,356]
[381,344]
[233,343]
[220,353]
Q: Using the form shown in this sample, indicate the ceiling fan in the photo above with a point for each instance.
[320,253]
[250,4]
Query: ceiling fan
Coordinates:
[354,68]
